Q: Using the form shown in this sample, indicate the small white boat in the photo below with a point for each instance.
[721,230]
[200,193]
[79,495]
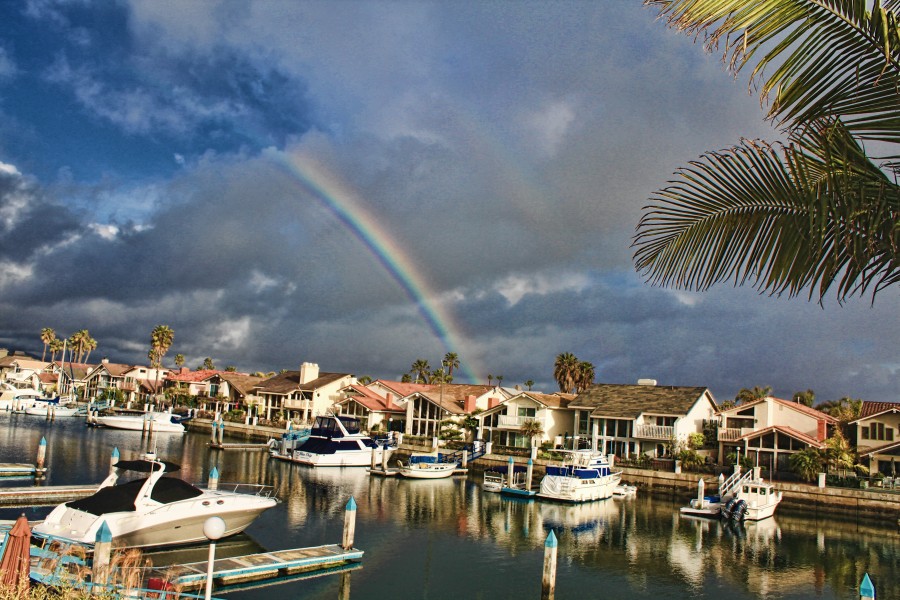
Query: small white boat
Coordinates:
[161,422]
[754,500]
[44,409]
[427,467]
[624,490]
[584,476]
[494,480]
[154,510]
[335,441]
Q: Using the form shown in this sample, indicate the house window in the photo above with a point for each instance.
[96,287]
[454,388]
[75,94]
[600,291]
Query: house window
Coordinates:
[528,413]
[889,434]
[865,433]
[665,421]
[583,422]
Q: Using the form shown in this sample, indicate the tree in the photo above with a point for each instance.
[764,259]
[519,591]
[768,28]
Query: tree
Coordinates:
[584,376]
[405,378]
[230,369]
[564,370]
[161,339]
[807,398]
[499,380]
[208,365]
[532,428]
[364,380]
[490,379]
[807,463]
[451,360]
[529,384]
[47,336]
[90,345]
[420,369]
[56,345]
[811,213]
[757,393]
[179,360]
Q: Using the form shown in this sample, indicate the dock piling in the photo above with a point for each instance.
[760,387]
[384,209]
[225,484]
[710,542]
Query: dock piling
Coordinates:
[465,459]
[374,453]
[548,583]
[529,474]
[344,590]
[349,524]
[700,492]
[222,431]
[101,560]
[41,458]
[384,458]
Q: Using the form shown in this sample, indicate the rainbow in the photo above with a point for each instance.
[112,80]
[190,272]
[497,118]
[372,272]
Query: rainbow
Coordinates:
[350,210]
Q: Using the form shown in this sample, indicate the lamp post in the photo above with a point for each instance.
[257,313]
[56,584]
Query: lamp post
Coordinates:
[213,529]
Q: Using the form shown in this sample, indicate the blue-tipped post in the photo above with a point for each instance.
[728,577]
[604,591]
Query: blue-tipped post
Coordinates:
[213,483]
[349,524]
[41,456]
[101,560]
[548,583]
[866,589]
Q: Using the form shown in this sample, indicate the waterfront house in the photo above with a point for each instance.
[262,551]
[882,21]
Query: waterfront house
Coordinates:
[23,372]
[193,383]
[235,389]
[878,437]
[8,362]
[300,395]
[127,378]
[432,407]
[770,430]
[646,418]
[374,411]
[504,424]
[72,377]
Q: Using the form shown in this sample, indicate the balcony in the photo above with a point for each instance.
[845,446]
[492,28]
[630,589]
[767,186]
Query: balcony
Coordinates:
[513,422]
[654,432]
[733,434]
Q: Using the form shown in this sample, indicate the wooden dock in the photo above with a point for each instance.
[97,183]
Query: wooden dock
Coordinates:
[238,446]
[44,495]
[265,565]
[18,470]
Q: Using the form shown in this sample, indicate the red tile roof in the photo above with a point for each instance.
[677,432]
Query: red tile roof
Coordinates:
[870,409]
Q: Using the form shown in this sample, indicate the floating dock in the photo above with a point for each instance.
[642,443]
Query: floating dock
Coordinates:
[265,565]
[19,470]
[239,446]
[44,495]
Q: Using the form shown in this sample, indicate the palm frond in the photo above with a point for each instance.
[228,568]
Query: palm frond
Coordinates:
[828,58]
[781,217]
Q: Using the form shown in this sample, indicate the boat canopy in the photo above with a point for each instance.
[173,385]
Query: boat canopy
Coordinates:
[146,466]
[120,498]
[330,426]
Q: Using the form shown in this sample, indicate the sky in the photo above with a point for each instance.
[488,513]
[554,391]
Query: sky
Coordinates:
[363,184]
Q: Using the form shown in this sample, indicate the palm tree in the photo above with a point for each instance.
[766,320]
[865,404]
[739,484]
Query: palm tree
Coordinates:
[564,371]
[807,463]
[532,428]
[499,380]
[90,344]
[420,368]
[529,384]
[56,345]
[208,365]
[179,360]
[810,213]
[161,339]
[364,380]
[490,379]
[47,336]
[584,376]
[807,398]
[405,378]
[451,360]
[757,393]
[78,342]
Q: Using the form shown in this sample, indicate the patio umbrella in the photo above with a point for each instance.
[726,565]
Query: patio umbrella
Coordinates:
[15,565]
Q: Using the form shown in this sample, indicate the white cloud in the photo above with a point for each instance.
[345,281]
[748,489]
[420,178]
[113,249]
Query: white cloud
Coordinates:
[550,125]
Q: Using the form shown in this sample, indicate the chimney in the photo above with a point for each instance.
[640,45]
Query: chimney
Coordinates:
[492,402]
[469,404]
[105,361]
[308,372]
[389,398]
[821,433]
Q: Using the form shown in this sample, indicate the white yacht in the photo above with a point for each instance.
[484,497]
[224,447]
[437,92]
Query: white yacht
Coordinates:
[754,500]
[162,422]
[336,441]
[584,476]
[15,399]
[154,510]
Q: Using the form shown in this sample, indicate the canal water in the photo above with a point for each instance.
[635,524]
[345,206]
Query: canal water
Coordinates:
[448,539]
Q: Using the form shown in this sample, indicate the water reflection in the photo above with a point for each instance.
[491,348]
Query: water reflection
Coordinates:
[447,539]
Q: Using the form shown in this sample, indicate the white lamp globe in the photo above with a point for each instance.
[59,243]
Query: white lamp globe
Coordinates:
[214,528]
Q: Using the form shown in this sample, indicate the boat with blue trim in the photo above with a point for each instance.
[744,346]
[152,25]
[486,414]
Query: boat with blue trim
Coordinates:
[584,476]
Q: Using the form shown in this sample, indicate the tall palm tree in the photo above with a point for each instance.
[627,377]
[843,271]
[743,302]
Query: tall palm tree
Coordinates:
[56,345]
[161,339]
[564,370]
[451,360]
[420,369]
[179,360]
[79,343]
[490,379]
[529,384]
[90,344]
[532,428]
[47,336]
[808,214]
[584,376]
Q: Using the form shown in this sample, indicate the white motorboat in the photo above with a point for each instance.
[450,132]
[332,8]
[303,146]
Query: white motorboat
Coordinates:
[161,422]
[427,467]
[584,476]
[336,441]
[754,500]
[154,510]
[52,409]
[17,400]
[494,480]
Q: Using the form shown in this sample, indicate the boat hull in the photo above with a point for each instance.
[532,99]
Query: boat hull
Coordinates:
[349,458]
[160,526]
[574,490]
[43,411]
[139,424]
[432,471]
